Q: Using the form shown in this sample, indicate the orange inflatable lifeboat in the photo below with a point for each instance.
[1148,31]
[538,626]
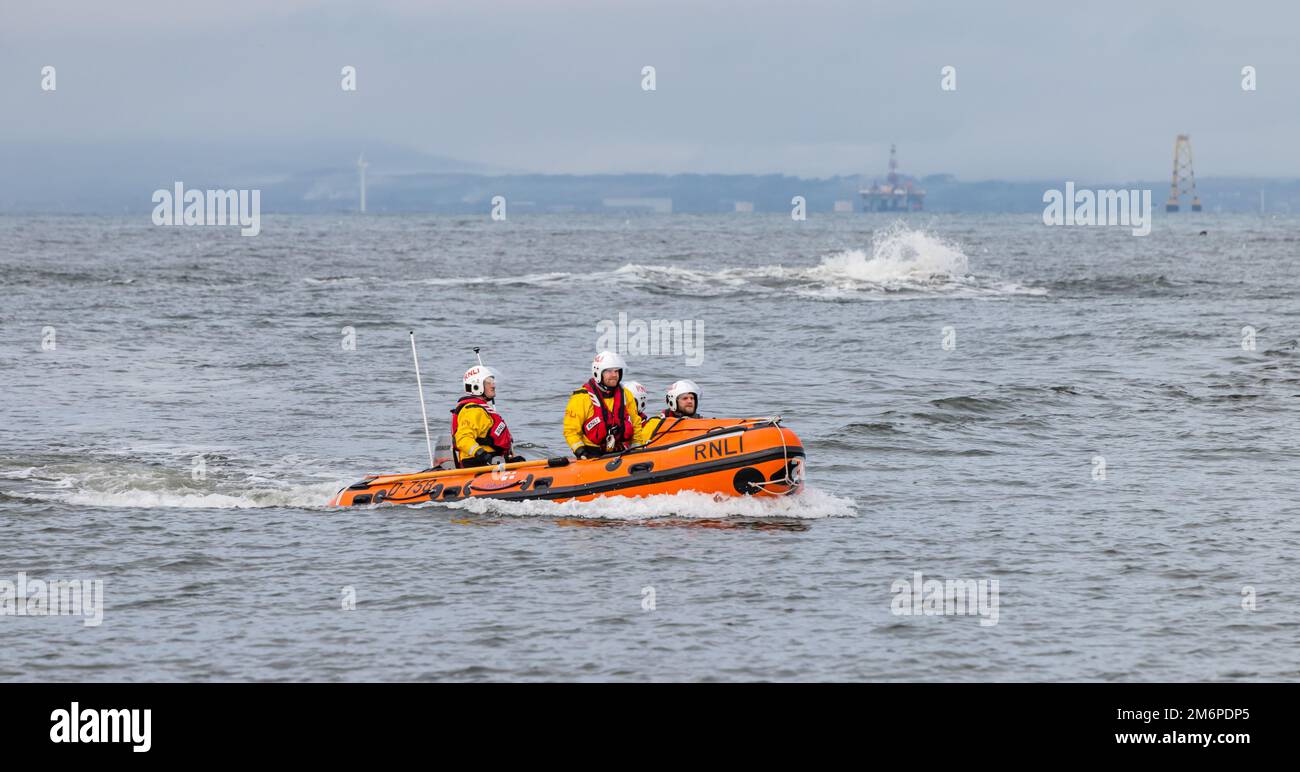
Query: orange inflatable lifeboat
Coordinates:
[718,456]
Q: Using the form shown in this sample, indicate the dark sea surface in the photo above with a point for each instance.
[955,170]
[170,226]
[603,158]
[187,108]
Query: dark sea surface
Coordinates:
[1094,436]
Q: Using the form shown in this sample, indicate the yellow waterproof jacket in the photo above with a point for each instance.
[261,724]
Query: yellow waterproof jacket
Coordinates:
[580,410]
[652,425]
[473,424]
[648,430]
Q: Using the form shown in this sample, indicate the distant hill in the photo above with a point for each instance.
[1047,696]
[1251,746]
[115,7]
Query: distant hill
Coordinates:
[121,176]
[321,176]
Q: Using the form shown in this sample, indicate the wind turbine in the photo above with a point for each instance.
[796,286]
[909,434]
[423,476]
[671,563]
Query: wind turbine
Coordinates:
[361,171]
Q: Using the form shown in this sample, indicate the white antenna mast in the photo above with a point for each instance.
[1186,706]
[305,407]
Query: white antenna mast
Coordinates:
[427,439]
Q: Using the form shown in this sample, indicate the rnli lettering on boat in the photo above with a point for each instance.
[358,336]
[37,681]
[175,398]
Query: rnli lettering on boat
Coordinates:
[723,446]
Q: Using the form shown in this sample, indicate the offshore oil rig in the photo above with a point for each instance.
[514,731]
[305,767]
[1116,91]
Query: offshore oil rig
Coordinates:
[895,194]
[1184,179]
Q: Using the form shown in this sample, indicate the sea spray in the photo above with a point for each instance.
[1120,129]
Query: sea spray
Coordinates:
[811,504]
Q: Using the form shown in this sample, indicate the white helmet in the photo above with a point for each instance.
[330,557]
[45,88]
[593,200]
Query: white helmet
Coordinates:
[639,392]
[606,360]
[683,387]
[475,377]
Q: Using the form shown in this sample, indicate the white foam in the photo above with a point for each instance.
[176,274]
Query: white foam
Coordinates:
[19,474]
[902,262]
[700,282]
[898,254]
[811,504]
[537,279]
[104,487]
[293,497]
[346,280]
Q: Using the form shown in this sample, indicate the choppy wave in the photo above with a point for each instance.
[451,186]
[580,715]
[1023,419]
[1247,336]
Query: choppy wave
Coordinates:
[523,280]
[149,486]
[529,280]
[1138,284]
[293,497]
[901,263]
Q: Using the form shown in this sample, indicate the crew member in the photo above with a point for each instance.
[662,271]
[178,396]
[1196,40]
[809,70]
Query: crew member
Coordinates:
[601,417]
[641,394]
[478,432]
[683,400]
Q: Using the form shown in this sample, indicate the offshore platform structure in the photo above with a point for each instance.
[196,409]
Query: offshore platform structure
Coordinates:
[1184,180]
[894,195]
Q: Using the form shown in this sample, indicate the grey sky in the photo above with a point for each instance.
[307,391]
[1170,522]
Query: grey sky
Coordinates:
[1045,90]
